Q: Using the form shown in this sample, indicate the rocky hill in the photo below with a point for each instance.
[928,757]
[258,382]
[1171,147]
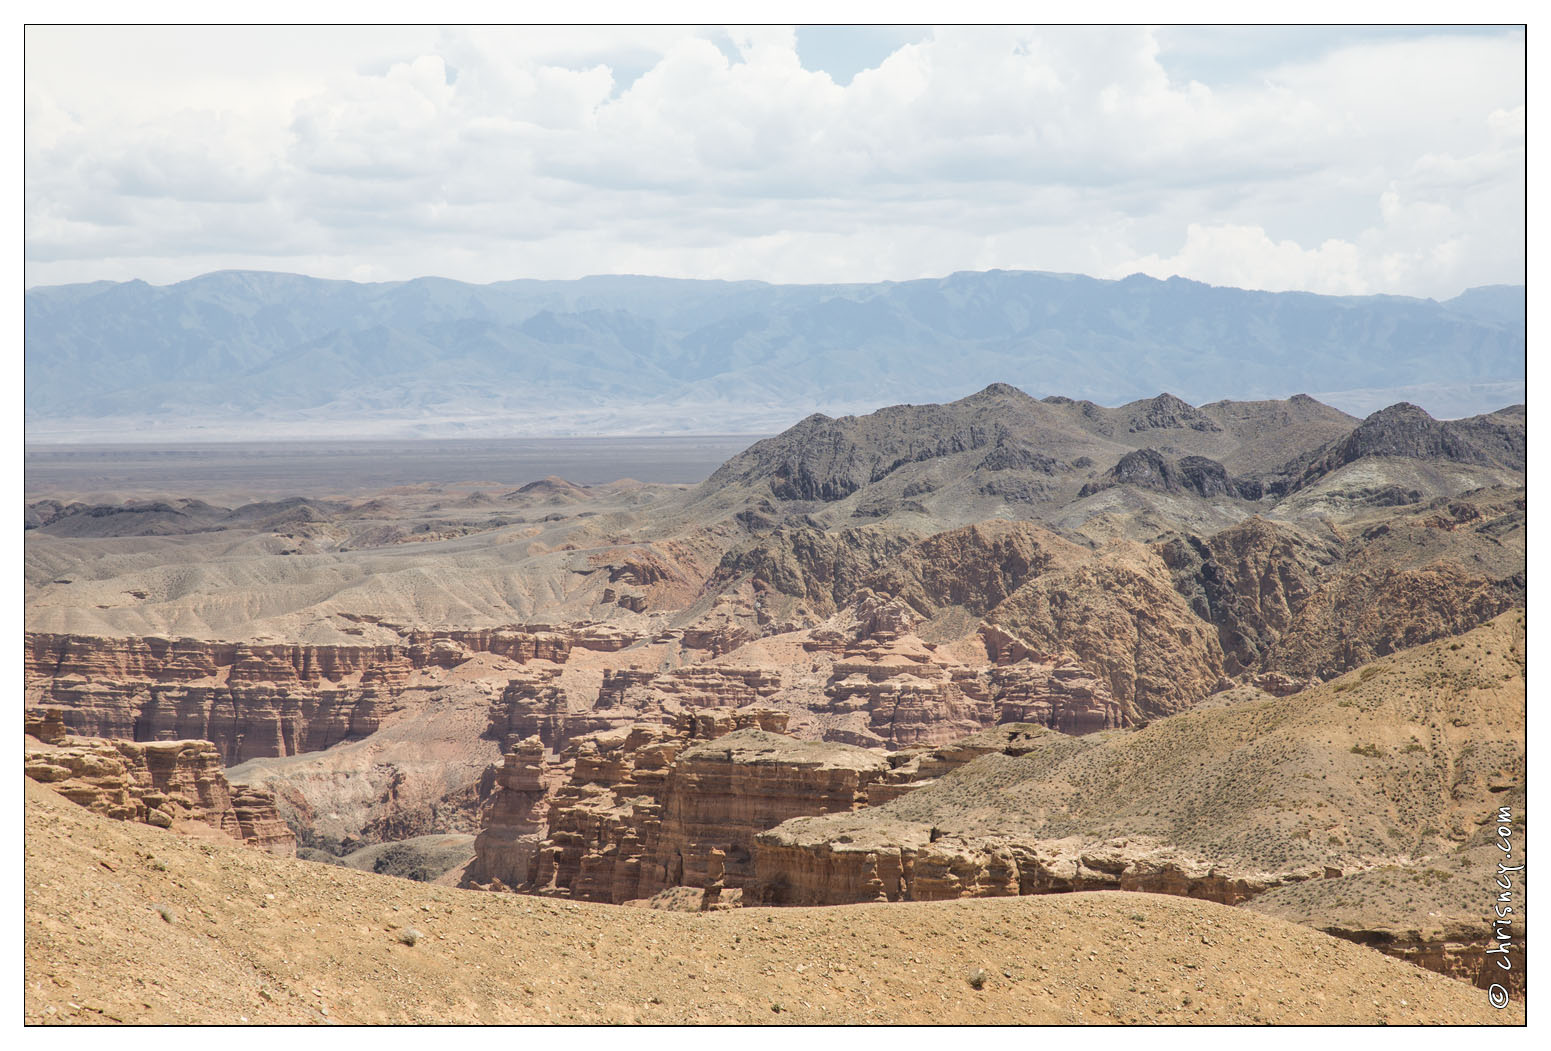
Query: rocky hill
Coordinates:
[1067,462]
[1003,446]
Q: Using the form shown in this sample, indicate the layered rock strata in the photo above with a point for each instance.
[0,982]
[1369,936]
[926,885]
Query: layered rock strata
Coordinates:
[646,807]
[909,695]
[250,700]
[159,783]
[51,656]
[515,819]
[604,838]
[536,704]
[720,794]
[792,870]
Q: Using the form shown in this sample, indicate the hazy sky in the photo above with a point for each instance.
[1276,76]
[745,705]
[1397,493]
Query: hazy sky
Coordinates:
[1341,160]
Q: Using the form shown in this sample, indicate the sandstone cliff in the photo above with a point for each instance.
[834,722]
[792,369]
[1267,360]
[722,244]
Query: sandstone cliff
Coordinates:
[515,819]
[250,700]
[162,783]
[721,793]
[645,807]
[898,691]
[650,808]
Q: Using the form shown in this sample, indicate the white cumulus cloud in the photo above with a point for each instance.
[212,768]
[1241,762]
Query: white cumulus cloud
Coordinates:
[1371,164]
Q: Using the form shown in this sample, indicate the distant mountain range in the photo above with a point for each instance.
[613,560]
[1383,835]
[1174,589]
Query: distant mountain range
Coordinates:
[240,354]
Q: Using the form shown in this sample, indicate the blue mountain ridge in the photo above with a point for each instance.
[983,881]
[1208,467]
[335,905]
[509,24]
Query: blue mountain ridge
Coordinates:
[244,347]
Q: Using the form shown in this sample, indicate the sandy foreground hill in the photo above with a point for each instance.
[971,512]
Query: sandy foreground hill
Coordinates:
[128,923]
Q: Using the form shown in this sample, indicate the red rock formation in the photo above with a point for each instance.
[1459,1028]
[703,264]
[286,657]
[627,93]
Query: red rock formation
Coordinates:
[793,870]
[696,686]
[47,725]
[605,638]
[719,639]
[1056,692]
[160,783]
[912,696]
[722,793]
[536,705]
[244,721]
[533,705]
[909,697]
[645,806]
[258,822]
[250,700]
[599,819]
[515,818]
[185,660]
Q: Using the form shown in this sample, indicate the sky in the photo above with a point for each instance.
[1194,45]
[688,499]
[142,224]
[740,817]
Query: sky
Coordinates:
[1340,160]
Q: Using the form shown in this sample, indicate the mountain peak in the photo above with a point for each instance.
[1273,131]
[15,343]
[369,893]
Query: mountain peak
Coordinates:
[998,390]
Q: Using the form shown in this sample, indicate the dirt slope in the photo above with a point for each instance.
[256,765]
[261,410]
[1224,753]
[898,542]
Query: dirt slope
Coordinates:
[1395,763]
[325,948]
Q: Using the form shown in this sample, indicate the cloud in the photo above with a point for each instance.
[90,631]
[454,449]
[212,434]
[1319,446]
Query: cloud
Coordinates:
[1372,162]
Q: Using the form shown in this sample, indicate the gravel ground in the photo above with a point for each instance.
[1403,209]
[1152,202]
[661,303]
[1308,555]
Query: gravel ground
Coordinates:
[128,923]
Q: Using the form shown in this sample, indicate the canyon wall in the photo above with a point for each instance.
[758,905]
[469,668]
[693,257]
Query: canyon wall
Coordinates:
[722,793]
[162,783]
[883,688]
[515,819]
[794,869]
[253,700]
[644,807]
[535,703]
[1460,954]
[894,690]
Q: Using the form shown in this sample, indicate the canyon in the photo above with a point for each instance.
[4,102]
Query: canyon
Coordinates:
[1000,647]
